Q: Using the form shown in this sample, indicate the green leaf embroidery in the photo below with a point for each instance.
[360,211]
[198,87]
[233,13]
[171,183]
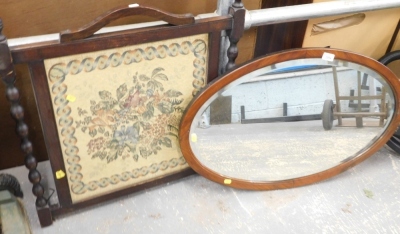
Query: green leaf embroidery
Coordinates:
[135,109]
[135,157]
[108,105]
[172,93]
[105,95]
[157,70]
[144,152]
[158,85]
[137,127]
[121,91]
[149,113]
[131,146]
[134,77]
[179,109]
[92,132]
[112,156]
[172,128]
[144,78]
[151,84]
[113,144]
[172,134]
[167,142]
[165,107]
[177,101]
[161,77]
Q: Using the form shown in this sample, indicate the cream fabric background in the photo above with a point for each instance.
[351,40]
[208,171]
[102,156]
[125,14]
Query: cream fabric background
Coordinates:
[85,86]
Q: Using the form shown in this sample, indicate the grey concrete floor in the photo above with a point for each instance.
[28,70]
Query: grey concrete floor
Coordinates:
[279,150]
[364,199]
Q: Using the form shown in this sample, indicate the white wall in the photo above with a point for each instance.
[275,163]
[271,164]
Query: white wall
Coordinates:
[304,94]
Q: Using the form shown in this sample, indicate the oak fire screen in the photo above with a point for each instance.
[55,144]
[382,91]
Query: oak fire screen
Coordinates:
[110,104]
[117,112]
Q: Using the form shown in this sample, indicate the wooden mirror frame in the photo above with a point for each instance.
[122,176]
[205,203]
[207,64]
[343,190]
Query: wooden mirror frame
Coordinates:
[221,82]
[81,41]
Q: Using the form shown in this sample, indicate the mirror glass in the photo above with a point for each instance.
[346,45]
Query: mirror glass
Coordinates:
[291,119]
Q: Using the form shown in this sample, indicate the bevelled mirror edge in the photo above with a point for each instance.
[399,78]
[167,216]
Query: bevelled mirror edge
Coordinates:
[268,60]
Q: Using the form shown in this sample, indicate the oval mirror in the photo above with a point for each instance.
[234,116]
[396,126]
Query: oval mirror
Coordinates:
[290,119]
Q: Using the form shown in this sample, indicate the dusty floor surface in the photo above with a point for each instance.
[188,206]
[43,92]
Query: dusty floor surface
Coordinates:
[364,199]
[279,150]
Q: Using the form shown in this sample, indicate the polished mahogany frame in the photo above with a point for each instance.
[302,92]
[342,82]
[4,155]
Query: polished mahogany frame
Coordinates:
[215,86]
[83,41]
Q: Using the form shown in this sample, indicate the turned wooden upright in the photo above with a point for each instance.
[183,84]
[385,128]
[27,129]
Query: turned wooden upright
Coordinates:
[8,75]
[238,12]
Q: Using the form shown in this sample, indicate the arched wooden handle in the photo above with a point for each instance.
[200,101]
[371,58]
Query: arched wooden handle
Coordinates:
[120,12]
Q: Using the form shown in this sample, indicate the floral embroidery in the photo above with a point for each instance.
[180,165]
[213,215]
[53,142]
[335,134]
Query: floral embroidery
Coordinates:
[138,121]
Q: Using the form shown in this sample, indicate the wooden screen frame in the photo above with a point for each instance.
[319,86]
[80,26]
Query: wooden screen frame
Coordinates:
[220,83]
[34,55]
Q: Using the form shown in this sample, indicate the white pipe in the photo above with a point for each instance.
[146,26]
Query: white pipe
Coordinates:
[56,36]
[266,16]
[314,10]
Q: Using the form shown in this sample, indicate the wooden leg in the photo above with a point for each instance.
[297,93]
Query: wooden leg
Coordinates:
[337,95]
[7,74]
[359,120]
[45,217]
[383,106]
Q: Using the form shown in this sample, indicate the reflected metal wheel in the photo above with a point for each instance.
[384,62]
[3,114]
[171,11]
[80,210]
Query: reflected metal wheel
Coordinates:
[327,115]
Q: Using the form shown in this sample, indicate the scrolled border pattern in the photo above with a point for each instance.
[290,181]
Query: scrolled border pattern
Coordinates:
[57,75]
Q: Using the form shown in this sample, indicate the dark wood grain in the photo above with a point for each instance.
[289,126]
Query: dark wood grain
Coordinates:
[230,77]
[40,51]
[120,12]
[276,37]
[46,114]
[213,59]
[45,217]
[238,12]
[26,18]
[8,76]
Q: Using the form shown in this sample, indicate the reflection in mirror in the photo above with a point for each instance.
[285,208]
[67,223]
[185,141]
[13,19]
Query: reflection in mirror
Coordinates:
[291,119]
